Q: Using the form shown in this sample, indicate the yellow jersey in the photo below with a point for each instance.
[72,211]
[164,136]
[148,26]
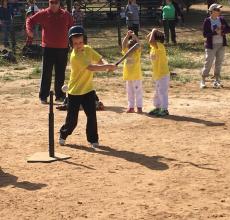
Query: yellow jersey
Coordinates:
[81,79]
[159,61]
[132,65]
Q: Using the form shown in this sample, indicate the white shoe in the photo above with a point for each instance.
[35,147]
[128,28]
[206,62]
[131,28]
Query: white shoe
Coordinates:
[216,85]
[202,84]
[94,145]
[61,141]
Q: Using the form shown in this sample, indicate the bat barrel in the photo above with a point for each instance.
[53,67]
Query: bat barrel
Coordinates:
[128,53]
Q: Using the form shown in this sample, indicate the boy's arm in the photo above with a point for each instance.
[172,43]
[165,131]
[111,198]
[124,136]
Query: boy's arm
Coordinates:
[102,66]
[31,21]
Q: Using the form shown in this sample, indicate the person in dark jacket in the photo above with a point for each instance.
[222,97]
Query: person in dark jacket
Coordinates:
[215,29]
[6,23]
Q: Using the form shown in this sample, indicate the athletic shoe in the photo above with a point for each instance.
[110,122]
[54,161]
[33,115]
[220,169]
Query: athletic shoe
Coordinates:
[44,101]
[60,99]
[216,85]
[94,145]
[139,110]
[63,107]
[61,141]
[202,84]
[130,110]
[154,111]
[162,113]
[100,106]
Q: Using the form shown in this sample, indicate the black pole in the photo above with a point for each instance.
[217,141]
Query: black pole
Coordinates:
[51,126]
[119,22]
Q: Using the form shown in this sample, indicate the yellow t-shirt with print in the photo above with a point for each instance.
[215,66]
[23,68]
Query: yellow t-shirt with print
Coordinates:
[159,60]
[132,65]
[81,79]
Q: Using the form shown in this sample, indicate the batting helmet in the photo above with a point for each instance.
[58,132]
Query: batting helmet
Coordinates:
[77,31]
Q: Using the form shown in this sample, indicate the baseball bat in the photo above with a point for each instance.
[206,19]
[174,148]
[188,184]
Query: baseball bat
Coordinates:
[128,53]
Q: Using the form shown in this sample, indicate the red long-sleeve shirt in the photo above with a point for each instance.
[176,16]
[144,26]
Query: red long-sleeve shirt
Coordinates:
[55,27]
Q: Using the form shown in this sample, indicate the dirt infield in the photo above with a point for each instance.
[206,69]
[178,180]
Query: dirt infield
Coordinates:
[146,168]
[173,168]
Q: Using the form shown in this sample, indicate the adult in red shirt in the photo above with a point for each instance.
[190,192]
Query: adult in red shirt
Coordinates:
[55,23]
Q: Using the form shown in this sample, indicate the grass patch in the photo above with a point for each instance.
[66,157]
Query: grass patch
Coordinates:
[183,63]
[36,72]
[177,56]
[3,62]
[191,47]
[20,68]
[111,54]
[182,78]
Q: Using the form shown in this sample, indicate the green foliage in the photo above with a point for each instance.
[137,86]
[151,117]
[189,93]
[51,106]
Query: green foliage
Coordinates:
[111,53]
[3,62]
[183,62]
[182,78]
[36,72]
[178,55]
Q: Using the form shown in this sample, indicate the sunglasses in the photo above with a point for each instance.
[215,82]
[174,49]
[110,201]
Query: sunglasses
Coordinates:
[53,2]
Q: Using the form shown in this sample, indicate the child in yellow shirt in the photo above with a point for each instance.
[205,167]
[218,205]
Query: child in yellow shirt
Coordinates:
[160,73]
[132,73]
[83,61]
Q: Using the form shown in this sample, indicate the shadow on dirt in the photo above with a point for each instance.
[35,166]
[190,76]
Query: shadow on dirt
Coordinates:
[189,119]
[151,162]
[7,179]
[116,109]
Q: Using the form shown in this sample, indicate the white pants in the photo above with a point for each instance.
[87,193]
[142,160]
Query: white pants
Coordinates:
[134,90]
[160,99]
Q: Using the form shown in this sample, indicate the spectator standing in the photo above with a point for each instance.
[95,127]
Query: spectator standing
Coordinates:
[132,16]
[78,15]
[32,9]
[6,23]
[169,21]
[55,23]
[215,29]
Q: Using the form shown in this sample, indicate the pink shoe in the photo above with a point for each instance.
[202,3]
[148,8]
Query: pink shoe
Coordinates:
[130,110]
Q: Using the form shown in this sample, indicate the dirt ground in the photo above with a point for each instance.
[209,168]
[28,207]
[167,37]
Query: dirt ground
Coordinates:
[175,168]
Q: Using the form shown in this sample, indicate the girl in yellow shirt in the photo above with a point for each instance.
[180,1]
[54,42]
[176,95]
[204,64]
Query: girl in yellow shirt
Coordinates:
[132,73]
[84,60]
[160,73]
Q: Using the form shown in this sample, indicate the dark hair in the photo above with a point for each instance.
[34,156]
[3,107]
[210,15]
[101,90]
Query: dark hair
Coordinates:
[160,38]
